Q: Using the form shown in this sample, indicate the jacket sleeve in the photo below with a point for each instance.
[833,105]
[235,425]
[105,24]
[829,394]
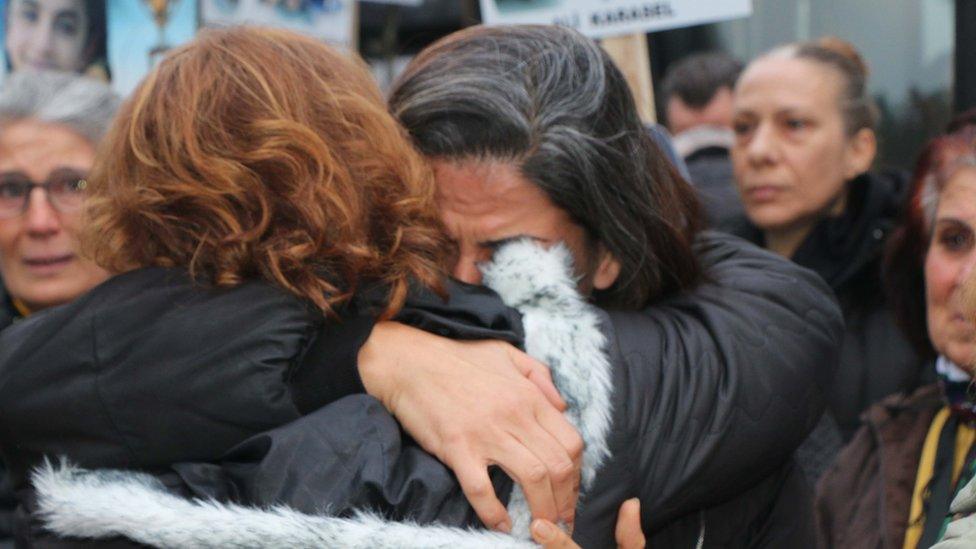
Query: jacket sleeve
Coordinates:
[329,369]
[722,384]
[345,457]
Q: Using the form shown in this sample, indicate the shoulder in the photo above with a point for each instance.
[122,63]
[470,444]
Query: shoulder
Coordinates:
[881,458]
[741,227]
[159,320]
[133,302]
[749,295]
[889,187]
[899,421]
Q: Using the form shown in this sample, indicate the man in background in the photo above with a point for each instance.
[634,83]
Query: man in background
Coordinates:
[697,93]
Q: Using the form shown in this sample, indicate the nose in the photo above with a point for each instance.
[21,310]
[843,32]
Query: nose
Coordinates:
[42,42]
[761,148]
[466,269]
[41,219]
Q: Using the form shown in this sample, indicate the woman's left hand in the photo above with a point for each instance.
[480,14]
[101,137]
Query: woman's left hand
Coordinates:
[628,533]
[475,404]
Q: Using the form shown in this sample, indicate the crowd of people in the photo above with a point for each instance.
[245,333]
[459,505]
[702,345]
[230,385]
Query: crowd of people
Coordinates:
[259,304]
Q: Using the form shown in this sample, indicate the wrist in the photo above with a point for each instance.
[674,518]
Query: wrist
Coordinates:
[378,363]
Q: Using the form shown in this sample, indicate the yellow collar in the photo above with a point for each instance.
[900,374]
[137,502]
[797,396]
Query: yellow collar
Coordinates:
[21,307]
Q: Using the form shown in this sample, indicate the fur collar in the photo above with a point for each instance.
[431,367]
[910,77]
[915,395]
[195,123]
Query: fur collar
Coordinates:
[561,330]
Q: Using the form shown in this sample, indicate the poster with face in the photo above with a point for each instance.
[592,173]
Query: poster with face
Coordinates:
[113,40]
[65,35]
[329,20]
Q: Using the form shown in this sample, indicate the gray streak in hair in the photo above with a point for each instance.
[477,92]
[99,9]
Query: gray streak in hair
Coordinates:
[81,104]
[551,102]
[935,182]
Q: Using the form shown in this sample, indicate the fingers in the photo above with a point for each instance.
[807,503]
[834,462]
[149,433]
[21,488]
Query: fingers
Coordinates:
[548,536]
[628,532]
[538,373]
[565,480]
[532,475]
[477,488]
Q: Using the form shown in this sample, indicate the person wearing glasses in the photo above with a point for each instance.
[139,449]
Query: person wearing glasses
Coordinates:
[50,125]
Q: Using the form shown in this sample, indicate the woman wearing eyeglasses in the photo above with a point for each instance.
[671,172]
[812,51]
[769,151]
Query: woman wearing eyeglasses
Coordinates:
[50,124]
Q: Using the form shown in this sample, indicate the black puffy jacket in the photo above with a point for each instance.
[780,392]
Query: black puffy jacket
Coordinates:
[149,369]
[708,394]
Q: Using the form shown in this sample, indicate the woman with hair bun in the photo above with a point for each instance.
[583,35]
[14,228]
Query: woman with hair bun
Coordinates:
[805,143]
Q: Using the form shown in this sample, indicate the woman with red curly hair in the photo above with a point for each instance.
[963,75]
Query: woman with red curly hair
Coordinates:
[264,217]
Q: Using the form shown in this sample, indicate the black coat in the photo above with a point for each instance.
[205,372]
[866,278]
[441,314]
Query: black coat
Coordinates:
[711,393]
[149,369]
[710,170]
[875,359]
[7,500]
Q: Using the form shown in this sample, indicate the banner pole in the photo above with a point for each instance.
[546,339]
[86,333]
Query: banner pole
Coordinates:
[632,56]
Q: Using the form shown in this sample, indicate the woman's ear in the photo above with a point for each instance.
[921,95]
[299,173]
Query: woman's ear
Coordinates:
[862,147]
[607,270]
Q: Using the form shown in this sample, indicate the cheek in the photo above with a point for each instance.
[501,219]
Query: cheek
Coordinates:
[819,175]
[16,40]
[70,52]
[9,236]
[9,230]
[940,276]
[71,225]
[739,165]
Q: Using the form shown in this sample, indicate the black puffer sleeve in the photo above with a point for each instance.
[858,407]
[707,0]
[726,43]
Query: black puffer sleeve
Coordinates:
[329,369]
[722,384]
[347,456]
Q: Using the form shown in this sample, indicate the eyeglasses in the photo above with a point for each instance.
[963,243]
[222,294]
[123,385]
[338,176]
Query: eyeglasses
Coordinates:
[65,190]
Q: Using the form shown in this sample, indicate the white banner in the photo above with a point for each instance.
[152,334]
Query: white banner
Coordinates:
[401,2]
[600,18]
[329,20]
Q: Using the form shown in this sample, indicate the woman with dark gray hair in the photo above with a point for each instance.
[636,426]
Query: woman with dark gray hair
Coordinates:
[50,125]
[549,103]
[532,132]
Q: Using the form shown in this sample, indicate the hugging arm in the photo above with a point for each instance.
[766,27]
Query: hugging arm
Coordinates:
[725,382]
[451,374]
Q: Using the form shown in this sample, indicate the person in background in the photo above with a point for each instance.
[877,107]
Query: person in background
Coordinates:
[56,35]
[804,145]
[697,93]
[892,485]
[50,125]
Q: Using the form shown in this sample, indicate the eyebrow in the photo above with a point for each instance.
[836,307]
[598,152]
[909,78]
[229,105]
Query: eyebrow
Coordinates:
[950,219]
[498,243]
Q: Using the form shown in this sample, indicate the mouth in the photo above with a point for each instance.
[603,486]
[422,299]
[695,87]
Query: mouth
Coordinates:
[763,193]
[41,65]
[48,264]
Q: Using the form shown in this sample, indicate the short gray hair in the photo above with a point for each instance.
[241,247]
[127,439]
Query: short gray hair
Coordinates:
[84,105]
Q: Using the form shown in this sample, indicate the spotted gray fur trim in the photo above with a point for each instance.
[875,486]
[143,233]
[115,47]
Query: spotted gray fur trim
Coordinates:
[561,330]
[108,503]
